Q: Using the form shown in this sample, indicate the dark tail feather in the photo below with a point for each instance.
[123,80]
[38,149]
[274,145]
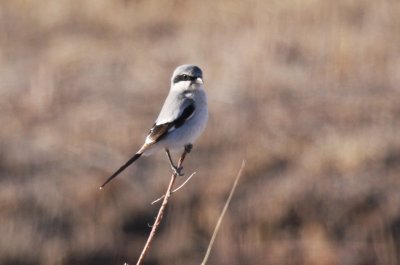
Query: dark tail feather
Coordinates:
[130,161]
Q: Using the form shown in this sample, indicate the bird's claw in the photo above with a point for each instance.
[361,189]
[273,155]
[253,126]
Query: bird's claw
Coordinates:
[177,170]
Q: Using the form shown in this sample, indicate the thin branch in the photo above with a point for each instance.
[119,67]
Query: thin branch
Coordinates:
[160,212]
[175,190]
[222,214]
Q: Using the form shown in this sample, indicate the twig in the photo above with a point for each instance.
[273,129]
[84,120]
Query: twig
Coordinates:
[175,190]
[160,212]
[222,214]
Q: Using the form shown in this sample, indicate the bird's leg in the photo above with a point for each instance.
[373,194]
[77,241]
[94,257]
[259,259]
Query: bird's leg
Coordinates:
[177,170]
[187,150]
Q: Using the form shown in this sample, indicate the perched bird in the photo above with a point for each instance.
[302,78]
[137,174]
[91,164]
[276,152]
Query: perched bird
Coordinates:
[182,118]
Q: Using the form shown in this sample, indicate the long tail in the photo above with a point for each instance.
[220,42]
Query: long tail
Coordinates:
[130,161]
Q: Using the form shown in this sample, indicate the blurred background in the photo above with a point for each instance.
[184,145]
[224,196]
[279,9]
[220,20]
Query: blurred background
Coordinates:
[307,92]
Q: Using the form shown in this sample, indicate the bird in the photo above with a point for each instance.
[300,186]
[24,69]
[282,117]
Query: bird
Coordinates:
[182,118]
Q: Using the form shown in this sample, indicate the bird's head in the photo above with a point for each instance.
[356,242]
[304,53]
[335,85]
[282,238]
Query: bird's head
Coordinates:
[187,77]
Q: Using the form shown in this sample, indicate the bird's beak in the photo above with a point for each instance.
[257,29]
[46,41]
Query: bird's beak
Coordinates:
[199,80]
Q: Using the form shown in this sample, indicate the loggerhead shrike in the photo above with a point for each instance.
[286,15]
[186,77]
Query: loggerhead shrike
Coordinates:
[182,118]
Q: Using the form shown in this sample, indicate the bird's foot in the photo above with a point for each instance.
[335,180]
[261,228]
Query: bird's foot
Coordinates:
[177,170]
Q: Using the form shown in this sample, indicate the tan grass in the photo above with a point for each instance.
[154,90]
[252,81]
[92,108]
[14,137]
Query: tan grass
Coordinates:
[306,91]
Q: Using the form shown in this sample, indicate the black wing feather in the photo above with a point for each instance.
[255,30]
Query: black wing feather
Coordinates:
[186,113]
[159,131]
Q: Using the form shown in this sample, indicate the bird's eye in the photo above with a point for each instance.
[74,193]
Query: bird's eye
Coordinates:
[182,77]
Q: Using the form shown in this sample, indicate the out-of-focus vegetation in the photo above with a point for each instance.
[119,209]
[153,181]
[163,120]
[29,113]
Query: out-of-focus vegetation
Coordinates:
[308,92]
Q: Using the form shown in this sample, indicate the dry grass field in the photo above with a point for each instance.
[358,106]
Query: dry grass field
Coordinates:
[307,92]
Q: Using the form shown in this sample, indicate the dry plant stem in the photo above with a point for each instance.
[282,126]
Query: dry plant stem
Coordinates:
[222,214]
[160,213]
[175,190]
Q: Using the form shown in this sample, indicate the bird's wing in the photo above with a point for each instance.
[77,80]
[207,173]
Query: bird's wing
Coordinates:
[177,119]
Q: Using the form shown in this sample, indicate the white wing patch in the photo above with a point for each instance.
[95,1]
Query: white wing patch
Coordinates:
[149,140]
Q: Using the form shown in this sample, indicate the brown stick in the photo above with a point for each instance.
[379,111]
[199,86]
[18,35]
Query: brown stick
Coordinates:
[175,190]
[160,212]
[221,216]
